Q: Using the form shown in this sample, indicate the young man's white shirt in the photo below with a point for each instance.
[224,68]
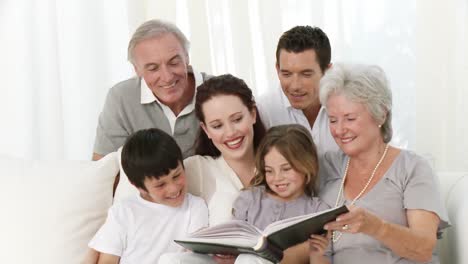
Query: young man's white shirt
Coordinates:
[275,109]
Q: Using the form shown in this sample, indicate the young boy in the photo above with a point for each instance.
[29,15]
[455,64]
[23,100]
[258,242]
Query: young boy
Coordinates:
[141,228]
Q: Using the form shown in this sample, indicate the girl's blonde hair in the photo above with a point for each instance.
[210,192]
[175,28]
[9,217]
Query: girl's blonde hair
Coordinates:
[295,143]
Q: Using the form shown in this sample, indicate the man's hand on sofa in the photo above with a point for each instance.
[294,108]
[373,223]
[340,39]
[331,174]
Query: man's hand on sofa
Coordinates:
[97,156]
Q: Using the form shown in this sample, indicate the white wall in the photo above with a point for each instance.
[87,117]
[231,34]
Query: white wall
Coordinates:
[442,83]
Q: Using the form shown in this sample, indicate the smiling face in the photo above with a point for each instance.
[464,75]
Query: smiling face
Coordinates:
[299,75]
[229,125]
[161,61]
[352,126]
[168,190]
[286,183]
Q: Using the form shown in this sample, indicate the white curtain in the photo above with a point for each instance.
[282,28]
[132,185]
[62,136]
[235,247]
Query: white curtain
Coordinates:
[442,83]
[59,58]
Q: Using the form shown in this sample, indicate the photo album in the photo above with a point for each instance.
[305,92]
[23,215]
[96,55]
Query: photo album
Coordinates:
[237,236]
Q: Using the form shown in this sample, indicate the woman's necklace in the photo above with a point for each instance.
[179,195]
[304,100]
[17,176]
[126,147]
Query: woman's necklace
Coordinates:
[336,235]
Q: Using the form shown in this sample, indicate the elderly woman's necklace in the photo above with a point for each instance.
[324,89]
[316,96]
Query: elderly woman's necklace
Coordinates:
[336,235]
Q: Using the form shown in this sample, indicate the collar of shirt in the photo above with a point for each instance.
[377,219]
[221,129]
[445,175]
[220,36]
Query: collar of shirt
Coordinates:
[321,120]
[285,100]
[297,112]
[147,97]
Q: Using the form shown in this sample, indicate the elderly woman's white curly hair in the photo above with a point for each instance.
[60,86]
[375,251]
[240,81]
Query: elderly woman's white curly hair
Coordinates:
[366,84]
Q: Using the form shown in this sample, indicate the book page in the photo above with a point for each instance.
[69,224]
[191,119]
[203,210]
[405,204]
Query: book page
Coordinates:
[234,232]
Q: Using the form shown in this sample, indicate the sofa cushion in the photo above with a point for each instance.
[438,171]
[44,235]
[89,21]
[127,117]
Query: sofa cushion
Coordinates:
[124,188]
[51,209]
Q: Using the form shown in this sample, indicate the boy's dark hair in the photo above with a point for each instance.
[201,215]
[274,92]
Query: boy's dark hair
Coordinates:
[302,38]
[149,153]
[226,84]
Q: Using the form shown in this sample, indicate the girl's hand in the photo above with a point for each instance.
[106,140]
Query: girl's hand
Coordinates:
[318,244]
[357,220]
[224,259]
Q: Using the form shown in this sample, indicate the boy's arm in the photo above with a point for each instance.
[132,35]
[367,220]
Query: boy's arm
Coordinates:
[109,238]
[92,257]
[108,259]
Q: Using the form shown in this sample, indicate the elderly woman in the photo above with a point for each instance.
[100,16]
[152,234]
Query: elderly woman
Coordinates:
[396,212]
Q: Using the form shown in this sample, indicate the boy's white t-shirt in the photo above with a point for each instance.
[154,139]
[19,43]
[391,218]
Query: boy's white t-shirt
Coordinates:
[140,231]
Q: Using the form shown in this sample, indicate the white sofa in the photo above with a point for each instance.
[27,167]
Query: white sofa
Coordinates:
[50,209]
[453,248]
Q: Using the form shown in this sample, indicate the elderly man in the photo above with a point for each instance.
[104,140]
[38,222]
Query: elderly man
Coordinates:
[303,55]
[160,96]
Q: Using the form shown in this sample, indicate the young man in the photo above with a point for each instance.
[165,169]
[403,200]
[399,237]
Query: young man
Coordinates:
[141,228]
[161,95]
[303,55]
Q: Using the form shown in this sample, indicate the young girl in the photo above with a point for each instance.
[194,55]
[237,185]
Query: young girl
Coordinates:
[283,187]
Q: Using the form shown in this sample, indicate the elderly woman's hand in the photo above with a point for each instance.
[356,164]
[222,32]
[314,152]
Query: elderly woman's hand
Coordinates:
[357,220]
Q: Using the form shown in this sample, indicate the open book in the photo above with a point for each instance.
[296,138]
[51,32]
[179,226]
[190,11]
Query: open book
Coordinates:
[236,236]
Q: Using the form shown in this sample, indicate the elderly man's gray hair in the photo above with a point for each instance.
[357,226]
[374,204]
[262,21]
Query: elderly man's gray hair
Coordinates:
[155,28]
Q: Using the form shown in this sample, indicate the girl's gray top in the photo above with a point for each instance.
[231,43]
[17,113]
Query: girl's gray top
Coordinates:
[409,183]
[258,208]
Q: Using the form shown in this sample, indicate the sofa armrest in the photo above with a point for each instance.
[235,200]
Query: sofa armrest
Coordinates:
[452,247]
[51,209]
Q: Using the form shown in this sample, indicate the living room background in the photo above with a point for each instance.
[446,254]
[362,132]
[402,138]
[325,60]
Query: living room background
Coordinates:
[59,58]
